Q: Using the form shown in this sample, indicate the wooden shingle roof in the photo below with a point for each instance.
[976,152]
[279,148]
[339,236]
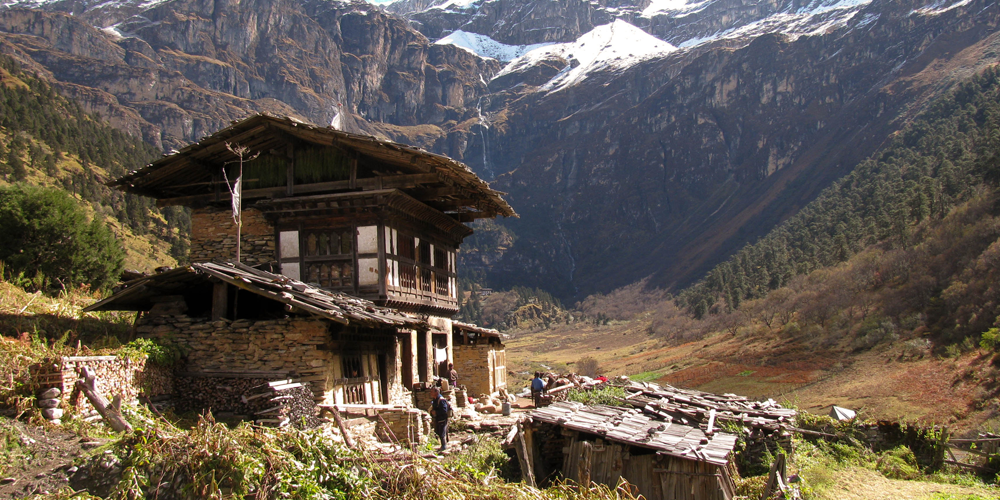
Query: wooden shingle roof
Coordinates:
[138,294]
[633,427]
[190,175]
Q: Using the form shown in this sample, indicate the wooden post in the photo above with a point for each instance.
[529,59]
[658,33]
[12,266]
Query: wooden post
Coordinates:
[290,171]
[110,413]
[776,478]
[343,428]
[524,458]
[220,300]
[583,467]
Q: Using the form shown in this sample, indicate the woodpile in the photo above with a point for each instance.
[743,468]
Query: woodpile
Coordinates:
[283,402]
[225,394]
[122,377]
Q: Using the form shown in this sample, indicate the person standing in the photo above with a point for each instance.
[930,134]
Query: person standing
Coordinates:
[452,376]
[537,389]
[439,415]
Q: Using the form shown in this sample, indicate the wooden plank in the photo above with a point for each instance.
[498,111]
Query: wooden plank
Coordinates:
[220,300]
[524,458]
[584,466]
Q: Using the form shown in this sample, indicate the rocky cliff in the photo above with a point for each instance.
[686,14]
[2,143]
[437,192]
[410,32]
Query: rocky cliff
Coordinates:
[636,138]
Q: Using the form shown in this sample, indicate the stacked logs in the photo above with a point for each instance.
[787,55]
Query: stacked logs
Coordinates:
[219,394]
[283,402]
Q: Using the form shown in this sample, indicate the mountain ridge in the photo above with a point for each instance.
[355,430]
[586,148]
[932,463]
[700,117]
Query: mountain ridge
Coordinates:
[661,168]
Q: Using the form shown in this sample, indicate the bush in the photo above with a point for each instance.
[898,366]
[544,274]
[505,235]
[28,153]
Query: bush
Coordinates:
[898,463]
[160,353]
[990,339]
[48,240]
[607,395]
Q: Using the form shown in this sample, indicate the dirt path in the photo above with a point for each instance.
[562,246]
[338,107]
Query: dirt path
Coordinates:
[53,453]
[864,484]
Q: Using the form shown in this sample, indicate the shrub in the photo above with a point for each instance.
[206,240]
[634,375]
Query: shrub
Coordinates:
[47,239]
[160,353]
[607,395]
[898,463]
[990,339]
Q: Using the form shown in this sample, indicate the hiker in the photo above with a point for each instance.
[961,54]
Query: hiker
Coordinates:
[439,414]
[537,389]
[452,376]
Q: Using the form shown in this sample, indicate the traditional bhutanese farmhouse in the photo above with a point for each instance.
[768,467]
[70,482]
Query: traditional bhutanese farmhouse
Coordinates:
[347,274]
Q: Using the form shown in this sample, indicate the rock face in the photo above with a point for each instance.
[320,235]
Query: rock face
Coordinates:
[183,69]
[623,162]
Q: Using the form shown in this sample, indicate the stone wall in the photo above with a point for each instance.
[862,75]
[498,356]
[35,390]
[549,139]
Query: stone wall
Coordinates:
[291,345]
[128,378]
[213,236]
[404,425]
[481,368]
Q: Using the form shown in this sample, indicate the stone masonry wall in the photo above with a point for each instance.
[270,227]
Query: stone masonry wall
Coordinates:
[115,376]
[291,344]
[472,362]
[213,236]
[405,425]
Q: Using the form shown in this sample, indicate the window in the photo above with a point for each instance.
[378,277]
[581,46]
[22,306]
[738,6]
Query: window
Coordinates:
[328,257]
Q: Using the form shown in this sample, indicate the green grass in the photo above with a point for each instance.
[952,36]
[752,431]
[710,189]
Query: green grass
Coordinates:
[645,376]
[12,447]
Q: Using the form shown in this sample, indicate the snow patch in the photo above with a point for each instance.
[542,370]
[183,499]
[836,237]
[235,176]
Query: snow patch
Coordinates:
[610,47]
[815,18]
[484,46]
[940,7]
[674,8]
[454,5]
[113,32]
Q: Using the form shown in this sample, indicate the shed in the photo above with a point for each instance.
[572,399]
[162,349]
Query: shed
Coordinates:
[600,444]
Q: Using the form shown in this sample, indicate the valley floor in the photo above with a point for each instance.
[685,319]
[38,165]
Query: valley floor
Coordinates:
[900,380]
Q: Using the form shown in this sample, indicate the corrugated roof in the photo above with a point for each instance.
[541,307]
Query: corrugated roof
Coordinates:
[339,307]
[187,171]
[633,427]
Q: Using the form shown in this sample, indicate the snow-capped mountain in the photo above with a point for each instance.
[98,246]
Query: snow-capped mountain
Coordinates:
[637,138]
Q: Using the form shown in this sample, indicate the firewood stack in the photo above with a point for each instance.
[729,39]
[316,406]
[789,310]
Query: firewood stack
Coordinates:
[216,393]
[283,402]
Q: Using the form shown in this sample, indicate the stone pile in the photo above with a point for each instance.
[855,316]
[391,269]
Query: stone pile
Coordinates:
[49,402]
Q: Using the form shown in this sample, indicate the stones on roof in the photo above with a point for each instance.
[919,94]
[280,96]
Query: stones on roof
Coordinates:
[633,427]
[304,297]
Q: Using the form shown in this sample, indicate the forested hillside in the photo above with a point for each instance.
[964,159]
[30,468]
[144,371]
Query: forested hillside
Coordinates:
[48,140]
[948,156]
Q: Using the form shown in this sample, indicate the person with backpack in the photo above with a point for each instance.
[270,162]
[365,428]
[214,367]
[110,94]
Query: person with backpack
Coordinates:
[440,411]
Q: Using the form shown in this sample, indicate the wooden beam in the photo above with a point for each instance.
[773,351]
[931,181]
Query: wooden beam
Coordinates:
[367,184]
[220,300]
[290,171]
[111,413]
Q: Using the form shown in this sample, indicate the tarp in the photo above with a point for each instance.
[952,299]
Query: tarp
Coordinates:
[838,413]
